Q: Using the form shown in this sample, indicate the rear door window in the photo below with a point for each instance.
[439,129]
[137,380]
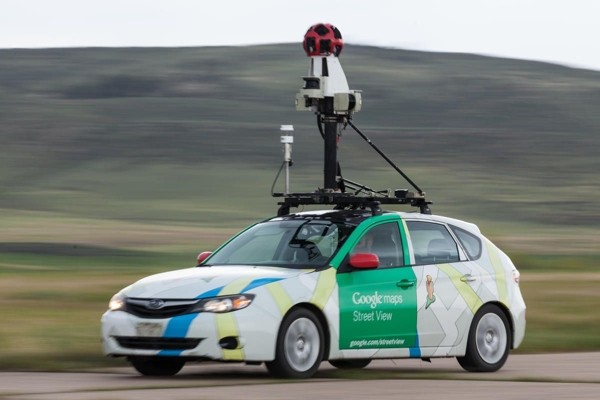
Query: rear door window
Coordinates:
[432,243]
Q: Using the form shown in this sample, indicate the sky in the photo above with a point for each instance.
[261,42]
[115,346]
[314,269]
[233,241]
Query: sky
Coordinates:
[559,31]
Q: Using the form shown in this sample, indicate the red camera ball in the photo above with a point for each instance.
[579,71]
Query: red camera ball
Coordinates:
[323,39]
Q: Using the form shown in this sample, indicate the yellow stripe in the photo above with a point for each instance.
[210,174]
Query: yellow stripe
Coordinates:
[499,270]
[226,323]
[280,296]
[227,326]
[235,287]
[466,291]
[324,288]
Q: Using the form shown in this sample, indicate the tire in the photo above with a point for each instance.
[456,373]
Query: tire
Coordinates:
[489,341]
[157,366]
[350,364]
[300,346]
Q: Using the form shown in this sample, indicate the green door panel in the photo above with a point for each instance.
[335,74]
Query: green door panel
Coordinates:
[378,308]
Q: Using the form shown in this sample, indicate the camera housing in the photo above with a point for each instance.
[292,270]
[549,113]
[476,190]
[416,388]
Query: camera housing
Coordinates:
[326,89]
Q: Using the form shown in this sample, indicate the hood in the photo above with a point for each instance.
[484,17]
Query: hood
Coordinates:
[202,282]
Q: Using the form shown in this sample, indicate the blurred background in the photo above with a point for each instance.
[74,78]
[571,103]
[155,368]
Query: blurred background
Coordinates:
[116,163]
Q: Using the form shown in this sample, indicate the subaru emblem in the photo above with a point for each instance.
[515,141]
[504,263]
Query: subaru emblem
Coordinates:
[155,304]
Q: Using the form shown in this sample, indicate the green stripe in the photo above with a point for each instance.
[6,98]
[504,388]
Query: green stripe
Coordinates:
[325,285]
[499,271]
[227,326]
[236,286]
[280,296]
[466,291]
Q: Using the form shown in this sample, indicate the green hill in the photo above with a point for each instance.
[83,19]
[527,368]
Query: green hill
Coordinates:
[190,135]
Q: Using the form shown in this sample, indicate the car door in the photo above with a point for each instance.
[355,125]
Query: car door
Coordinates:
[378,306]
[443,285]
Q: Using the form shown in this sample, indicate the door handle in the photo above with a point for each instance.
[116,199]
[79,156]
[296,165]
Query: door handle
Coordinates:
[468,278]
[405,283]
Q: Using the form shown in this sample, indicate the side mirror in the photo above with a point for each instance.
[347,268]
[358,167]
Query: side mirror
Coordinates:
[203,256]
[364,261]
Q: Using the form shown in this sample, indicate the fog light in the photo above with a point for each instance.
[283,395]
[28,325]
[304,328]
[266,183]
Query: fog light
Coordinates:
[229,343]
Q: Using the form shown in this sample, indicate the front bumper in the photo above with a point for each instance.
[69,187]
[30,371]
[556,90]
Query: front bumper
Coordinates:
[236,336]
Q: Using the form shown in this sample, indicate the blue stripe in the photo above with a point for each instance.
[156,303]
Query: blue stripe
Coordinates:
[170,353]
[178,326]
[415,352]
[259,282]
[211,293]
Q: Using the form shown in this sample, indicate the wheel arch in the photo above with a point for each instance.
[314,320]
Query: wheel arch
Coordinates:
[511,324]
[322,320]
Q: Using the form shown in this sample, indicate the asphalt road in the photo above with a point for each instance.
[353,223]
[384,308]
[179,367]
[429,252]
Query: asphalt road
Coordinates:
[548,376]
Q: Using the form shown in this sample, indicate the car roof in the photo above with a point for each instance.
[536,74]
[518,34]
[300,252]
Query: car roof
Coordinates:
[358,216]
[468,226]
[354,217]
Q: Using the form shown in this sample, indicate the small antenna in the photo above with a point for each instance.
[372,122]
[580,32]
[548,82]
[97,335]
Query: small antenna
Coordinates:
[287,138]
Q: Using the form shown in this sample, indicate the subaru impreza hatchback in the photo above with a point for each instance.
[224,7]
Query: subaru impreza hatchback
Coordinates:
[339,286]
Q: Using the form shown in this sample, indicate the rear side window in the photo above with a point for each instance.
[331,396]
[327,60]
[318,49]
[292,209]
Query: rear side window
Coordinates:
[470,242]
[432,243]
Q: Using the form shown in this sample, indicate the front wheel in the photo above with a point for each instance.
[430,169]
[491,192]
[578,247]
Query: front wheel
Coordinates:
[300,346]
[489,341]
[157,366]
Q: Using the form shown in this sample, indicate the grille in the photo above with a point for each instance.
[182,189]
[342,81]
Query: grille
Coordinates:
[157,343]
[169,308]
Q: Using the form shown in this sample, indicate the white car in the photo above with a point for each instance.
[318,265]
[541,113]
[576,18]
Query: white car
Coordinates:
[341,286]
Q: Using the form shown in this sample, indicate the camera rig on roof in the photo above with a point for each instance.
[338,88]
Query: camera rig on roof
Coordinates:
[327,94]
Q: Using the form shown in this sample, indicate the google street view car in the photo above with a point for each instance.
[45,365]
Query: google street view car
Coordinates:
[347,284]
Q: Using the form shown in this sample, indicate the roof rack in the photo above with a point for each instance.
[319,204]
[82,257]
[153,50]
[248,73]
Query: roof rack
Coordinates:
[349,201]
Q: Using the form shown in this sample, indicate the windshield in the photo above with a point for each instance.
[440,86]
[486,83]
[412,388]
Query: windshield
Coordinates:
[297,243]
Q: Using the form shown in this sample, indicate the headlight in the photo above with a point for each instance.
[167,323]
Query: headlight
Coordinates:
[117,302]
[226,303]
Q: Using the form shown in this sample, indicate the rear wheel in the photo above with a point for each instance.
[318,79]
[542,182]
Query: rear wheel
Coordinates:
[350,364]
[489,341]
[157,366]
[300,346]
